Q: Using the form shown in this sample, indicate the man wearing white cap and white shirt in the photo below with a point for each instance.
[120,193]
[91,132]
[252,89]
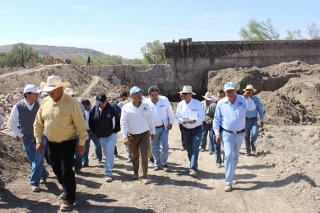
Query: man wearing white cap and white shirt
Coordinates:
[21,122]
[207,124]
[229,127]
[61,117]
[136,125]
[191,115]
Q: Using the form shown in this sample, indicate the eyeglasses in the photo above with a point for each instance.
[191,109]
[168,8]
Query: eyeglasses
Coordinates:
[185,93]
[137,93]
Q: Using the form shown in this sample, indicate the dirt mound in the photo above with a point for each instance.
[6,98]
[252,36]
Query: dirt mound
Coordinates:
[294,90]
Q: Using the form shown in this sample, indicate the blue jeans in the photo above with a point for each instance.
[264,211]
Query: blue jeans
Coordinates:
[232,144]
[192,140]
[108,144]
[97,148]
[38,170]
[251,125]
[216,148]
[161,142]
[205,129]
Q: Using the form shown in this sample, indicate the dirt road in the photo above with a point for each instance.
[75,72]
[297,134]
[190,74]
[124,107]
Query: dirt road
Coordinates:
[259,190]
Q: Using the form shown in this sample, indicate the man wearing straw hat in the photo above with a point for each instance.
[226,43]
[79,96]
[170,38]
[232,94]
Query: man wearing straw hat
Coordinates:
[207,124]
[252,121]
[191,115]
[61,117]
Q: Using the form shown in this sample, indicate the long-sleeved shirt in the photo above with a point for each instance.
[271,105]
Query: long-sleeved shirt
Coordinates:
[62,120]
[258,109]
[161,111]
[192,110]
[14,119]
[136,120]
[232,117]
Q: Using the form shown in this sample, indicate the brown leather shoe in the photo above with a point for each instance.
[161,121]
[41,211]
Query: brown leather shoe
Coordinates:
[145,180]
[66,207]
[228,188]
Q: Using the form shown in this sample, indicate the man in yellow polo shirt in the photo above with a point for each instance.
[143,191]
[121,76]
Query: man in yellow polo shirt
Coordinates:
[60,119]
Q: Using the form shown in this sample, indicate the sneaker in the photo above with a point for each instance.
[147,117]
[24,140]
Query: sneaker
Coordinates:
[35,189]
[228,188]
[254,148]
[156,168]
[183,148]
[165,168]
[66,207]
[248,154]
[193,173]
[135,176]
[100,162]
[145,180]
[210,152]
[151,160]
[202,149]
[218,165]
[235,181]
[108,179]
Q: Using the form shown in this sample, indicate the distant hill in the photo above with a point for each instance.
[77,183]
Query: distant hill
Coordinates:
[59,51]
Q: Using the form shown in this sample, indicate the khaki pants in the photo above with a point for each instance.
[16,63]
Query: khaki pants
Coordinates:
[139,147]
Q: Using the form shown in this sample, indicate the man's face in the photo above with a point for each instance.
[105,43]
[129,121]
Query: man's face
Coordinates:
[103,105]
[187,96]
[136,96]
[124,98]
[154,96]
[208,102]
[56,93]
[87,107]
[231,94]
[220,96]
[32,96]
[250,92]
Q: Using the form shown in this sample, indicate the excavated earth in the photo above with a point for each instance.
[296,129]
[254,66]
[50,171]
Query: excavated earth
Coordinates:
[283,176]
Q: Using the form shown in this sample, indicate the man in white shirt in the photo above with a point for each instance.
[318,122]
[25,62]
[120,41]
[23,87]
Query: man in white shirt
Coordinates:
[191,115]
[136,126]
[229,127]
[21,121]
[163,118]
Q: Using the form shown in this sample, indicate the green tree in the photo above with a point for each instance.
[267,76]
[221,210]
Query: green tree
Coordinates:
[314,31]
[135,61]
[259,31]
[107,60]
[22,51]
[78,61]
[153,53]
[294,35]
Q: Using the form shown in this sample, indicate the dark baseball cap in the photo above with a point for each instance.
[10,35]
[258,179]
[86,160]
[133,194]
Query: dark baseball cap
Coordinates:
[100,98]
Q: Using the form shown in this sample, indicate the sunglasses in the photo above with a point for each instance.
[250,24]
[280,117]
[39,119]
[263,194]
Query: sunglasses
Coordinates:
[185,93]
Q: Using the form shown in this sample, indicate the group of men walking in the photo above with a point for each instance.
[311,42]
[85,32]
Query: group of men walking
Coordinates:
[62,127]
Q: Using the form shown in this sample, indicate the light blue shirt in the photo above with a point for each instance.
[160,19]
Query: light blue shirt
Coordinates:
[258,109]
[232,117]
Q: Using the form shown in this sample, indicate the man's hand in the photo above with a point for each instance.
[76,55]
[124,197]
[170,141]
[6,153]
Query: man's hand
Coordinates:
[126,141]
[81,149]
[21,138]
[39,148]
[169,127]
[153,137]
[246,95]
[261,123]
[218,139]
[192,121]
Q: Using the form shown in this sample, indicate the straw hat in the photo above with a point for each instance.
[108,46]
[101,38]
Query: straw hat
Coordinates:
[207,96]
[187,89]
[53,82]
[249,86]
[69,91]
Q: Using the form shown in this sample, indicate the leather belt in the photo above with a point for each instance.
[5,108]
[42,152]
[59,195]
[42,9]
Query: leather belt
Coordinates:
[251,118]
[234,132]
[192,128]
[136,135]
[159,126]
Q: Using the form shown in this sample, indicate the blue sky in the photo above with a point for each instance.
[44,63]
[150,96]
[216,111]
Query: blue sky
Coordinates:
[123,27]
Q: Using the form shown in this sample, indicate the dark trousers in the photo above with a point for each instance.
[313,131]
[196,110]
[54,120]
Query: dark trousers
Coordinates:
[61,157]
[182,138]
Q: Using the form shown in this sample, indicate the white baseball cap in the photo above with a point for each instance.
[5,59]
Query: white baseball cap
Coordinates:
[31,88]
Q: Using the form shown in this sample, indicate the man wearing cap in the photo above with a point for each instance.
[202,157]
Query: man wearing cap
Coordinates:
[163,119]
[206,124]
[136,126]
[104,121]
[252,121]
[229,126]
[191,115]
[61,118]
[21,121]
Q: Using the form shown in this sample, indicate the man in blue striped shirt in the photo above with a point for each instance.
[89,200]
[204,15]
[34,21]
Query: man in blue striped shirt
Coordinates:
[252,121]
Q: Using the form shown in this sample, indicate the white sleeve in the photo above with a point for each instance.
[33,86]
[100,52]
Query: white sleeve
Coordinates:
[124,122]
[13,122]
[250,104]
[151,123]
[201,115]
[170,112]
[217,120]
[178,113]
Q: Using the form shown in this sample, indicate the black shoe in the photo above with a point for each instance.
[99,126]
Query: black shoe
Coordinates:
[254,148]
[248,154]
[152,160]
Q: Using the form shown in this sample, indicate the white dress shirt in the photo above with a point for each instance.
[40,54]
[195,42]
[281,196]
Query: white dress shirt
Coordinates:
[192,110]
[232,117]
[14,119]
[136,120]
[161,111]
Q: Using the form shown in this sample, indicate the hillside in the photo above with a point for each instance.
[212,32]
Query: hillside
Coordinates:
[59,51]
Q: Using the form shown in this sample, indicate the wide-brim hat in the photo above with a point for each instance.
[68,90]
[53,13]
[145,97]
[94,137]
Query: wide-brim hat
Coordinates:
[69,91]
[250,86]
[207,96]
[53,82]
[187,89]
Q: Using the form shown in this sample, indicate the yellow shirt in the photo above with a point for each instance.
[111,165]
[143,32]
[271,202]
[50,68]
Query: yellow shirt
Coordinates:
[61,120]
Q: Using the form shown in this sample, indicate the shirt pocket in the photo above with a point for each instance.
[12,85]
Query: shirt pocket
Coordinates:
[145,115]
